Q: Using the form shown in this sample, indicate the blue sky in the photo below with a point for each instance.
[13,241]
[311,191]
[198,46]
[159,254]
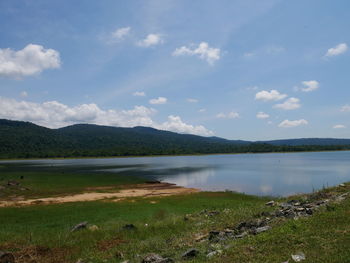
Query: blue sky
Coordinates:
[239,69]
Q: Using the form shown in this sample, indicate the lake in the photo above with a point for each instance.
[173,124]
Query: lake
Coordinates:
[278,174]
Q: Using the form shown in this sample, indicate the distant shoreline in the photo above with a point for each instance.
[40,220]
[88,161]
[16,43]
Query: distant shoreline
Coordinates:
[155,156]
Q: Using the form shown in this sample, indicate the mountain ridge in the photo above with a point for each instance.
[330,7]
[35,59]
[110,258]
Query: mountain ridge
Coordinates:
[20,139]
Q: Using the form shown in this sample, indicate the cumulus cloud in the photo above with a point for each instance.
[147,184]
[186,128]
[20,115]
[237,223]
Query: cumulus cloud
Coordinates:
[230,115]
[310,85]
[289,104]
[120,33]
[54,114]
[139,94]
[337,50]
[339,126]
[175,123]
[151,40]
[272,95]
[30,60]
[290,124]
[203,51]
[262,115]
[191,100]
[159,100]
[345,108]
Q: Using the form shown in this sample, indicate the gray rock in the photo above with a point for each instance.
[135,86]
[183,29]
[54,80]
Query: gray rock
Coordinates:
[261,229]
[191,253]
[155,258]
[214,253]
[298,257]
[79,226]
[270,203]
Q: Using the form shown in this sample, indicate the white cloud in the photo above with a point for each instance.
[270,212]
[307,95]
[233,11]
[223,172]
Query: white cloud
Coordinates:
[345,108]
[289,104]
[151,40]
[262,115]
[203,51]
[159,100]
[120,33]
[191,100]
[339,126]
[272,95]
[230,115]
[54,114]
[31,60]
[337,50]
[310,85]
[202,110]
[290,124]
[139,93]
[175,123]
[24,94]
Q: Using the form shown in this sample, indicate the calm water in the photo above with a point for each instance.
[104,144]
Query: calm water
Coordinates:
[262,174]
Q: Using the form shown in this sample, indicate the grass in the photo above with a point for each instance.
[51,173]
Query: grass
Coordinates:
[55,180]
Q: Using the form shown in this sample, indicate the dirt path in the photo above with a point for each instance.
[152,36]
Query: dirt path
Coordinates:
[141,190]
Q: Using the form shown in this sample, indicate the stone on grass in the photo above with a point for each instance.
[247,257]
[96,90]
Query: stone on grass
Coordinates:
[191,253]
[261,229]
[79,226]
[129,227]
[155,258]
[298,257]
[6,257]
[270,203]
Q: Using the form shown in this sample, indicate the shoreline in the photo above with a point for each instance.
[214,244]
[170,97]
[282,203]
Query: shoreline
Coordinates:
[157,156]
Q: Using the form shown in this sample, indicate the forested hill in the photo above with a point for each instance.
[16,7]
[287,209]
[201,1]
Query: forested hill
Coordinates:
[26,140]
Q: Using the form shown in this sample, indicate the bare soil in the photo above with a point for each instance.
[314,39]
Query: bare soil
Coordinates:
[139,190]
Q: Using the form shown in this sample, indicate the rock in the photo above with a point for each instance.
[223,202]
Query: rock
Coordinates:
[79,226]
[129,227]
[6,257]
[93,228]
[216,236]
[80,261]
[119,255]
[191,253]
[261,229]
[270,203]
[214,253]
[298,257]
[152,257]
[13,183]
[241,235]
[155,258]
[342,185]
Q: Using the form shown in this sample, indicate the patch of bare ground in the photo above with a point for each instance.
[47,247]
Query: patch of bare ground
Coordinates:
[139,190]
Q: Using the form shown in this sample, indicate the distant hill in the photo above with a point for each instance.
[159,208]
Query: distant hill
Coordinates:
[310,141]
[20,139]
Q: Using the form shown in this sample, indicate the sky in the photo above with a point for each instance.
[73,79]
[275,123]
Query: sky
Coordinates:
[238,69]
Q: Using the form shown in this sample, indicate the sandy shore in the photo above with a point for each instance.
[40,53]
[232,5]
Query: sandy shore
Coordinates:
[140,190]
